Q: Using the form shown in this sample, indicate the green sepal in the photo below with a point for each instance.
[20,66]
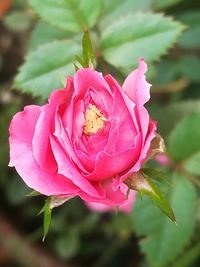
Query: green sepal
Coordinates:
[156,175]
[146,186]
[50,203]
[33,193]
[160,200]
[47,217]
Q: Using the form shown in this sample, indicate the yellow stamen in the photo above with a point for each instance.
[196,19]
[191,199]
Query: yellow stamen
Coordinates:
[94,120]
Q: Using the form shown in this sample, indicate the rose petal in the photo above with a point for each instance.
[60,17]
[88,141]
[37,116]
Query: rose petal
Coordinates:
[126,206]
[130,105]
[108,166]
[21,156]
[65,142]
[88,78]
[121,120]
[44,126]
[143,156]
[111,198]
[136,86]
[21,131]
[67,168]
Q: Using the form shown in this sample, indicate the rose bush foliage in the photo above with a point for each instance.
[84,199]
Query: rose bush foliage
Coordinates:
[89,138]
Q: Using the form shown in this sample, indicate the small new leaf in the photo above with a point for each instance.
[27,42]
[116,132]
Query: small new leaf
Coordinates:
[88,58]
[145,186]
[80,61]
[88,54]
[76,67]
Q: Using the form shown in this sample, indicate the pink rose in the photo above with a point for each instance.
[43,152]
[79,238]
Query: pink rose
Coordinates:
[87,140]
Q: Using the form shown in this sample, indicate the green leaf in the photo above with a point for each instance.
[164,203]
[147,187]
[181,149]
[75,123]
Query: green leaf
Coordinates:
[157,4]
[114,9]
[125,6]
[41,73]
[17,21]
[189,66]
[169,70]
[166,72]
[172,113]
[192,164]
[16,185]
[70,15]
[145,186]
[44,33]
[68,243]
[163,241]
[19,4]
[185,138]
[149,36]
[189,257]
[191,37]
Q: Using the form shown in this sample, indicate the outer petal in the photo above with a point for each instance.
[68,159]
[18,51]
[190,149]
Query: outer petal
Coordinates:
[98,206]
[21,131]
[21,156]
[128,204]
[125,207]
[44,126]
[136,86]
[149,137]
[111,198]
[143,155]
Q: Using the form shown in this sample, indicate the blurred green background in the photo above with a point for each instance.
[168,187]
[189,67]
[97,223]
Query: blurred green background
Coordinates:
[46,35]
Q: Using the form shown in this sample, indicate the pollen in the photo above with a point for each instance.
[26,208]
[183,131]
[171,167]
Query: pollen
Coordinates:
[94,120]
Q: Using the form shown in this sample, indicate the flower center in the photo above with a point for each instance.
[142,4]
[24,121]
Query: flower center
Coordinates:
[94,120]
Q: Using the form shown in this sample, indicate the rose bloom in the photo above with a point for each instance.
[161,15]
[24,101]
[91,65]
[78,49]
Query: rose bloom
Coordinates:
[89,138]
